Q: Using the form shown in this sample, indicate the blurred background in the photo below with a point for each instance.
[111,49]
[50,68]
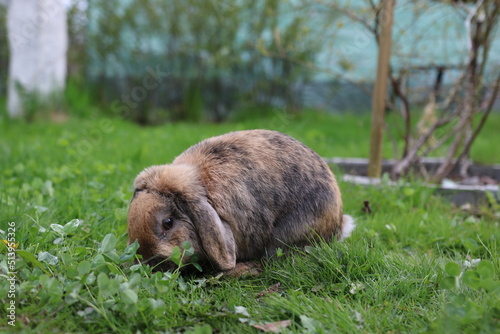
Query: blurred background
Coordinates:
[153,61]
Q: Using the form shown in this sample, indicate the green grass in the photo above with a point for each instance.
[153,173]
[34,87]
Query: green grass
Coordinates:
[395,274]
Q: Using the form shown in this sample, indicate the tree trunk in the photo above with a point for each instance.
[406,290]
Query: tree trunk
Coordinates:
[380,89]
[38,41]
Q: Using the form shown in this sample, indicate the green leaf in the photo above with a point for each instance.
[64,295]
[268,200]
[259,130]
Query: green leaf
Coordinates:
[48,188]
[182,283]
[471,279]
[135,267]
[157,306]
[472,311]
[71,272]
[47,257]
[197,266]
[84,268]
[67,259]
[485,269]
[452,269]
[72,297]
[241,310]
[98,262]
[114,287]
[309,324]
[455,311]
[129,296]
[175,257]
[130,251]
[135,279]
[107,286]
[130,309]
[108,243]
[309,249]
[30,258]
[103,282]
[448,283]
[59,229]
[188,248]
[90,279]
[41,209]
[279,252]
[113,268]
[490,285]
[112,257]
[72,226]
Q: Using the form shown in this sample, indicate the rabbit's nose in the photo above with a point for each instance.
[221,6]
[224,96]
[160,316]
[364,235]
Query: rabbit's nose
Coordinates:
[159,263]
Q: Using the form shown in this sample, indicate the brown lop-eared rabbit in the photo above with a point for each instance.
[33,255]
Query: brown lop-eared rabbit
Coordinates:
[236,197]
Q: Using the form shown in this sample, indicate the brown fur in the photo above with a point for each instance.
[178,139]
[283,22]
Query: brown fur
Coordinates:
[236,197]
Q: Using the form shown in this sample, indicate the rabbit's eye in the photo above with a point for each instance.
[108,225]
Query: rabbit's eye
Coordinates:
[167,223]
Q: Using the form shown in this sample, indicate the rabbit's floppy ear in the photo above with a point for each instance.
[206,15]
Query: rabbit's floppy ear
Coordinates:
[182,181]
[216,237]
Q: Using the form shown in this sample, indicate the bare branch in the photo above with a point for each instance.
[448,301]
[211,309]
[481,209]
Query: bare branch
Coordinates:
[468,20]
[487,112]
[356,18]
[405,111]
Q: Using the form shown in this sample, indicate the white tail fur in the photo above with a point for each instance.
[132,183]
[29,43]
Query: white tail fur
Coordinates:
[347,227]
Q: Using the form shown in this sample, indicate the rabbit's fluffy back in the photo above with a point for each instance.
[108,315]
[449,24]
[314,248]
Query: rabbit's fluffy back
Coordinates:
[272,190]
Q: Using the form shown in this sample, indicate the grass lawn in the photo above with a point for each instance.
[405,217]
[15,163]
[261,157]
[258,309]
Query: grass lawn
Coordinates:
[411,266]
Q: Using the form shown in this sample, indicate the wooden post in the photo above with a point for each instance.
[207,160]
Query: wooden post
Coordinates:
[380,88]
